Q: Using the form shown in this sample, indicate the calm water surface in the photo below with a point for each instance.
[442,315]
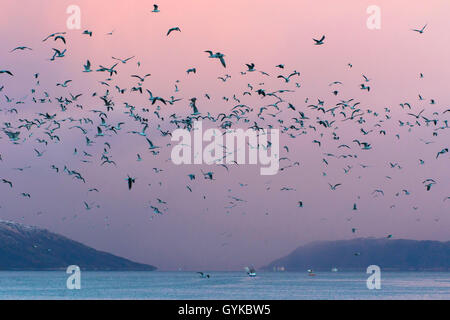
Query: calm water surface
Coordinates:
[223,285]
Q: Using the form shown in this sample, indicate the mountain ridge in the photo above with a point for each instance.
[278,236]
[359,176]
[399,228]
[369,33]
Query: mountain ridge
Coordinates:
[24,247]
[359,253]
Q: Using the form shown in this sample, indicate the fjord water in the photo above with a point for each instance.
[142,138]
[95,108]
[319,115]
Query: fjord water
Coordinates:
[223,285]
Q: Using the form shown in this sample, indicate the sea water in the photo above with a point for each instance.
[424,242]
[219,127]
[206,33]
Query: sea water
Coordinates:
[223,285]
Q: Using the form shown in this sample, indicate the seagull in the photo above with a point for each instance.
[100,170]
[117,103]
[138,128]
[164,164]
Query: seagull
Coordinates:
[87,66]
[194,107]
[154,99]
[417,116]
[110,70]
[13,136]
[123,60]
[155,8]
[217,55]
[8,182]
[319,42]
[39,153]
[173,29]
[420,30]
[333,187]
[53,35]
[87,205]
[445,150]
[141,79]
[20,48]
[130,181]
[64,85]
[378,191]
[286,79]
[6,71]
[22,169]
[208,175]
[60,38]
[58,54]
[152,146]
[250,66]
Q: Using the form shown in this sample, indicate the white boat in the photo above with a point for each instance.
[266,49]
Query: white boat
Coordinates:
[251,272]
[334,269]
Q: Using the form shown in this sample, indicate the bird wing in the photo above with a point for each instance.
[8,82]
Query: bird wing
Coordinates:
[222,60]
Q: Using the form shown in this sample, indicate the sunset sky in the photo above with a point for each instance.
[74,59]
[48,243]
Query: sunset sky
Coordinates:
[197,230]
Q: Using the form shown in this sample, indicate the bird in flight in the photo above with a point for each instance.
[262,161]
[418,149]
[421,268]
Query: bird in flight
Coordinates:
[87,66]
[64,84]
[217,55]
[319,42]
[123,60]
[130,181]
[7,182]
[53,35]
[141,79]
[6,71]
[155,8]
[420,30]
[21,48]
[173,29]
[193,70]
[151,145]
[58,54]
[333,187]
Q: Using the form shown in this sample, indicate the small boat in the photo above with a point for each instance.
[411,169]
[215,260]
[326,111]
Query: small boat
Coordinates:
[203,275]
[311,273]
[251,272]
[334,269]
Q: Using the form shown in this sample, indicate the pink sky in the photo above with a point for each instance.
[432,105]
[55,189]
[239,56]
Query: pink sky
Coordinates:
[197,233]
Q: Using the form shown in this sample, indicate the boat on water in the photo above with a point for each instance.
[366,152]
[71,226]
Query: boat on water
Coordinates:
[311,273]
[334,269]
[251,272]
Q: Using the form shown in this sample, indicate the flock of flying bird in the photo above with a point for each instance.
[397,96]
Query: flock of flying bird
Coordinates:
[313,117]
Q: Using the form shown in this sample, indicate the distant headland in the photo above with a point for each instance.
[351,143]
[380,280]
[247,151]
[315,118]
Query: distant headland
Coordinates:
[358,254]
[25,247]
